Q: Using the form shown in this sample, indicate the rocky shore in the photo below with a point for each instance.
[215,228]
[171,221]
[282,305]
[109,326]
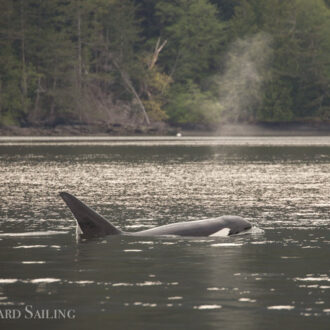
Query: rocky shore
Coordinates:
[161,129]
[86,130]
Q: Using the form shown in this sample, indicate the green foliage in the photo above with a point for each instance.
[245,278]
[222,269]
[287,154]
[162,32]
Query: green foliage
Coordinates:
[194,36]
[299,73]
[10,102]
[226,8]
[277,103]
[156,85]
[240,60]
[189,104]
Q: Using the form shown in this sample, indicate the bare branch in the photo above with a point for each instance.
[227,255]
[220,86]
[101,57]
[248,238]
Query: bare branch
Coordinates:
[155,55]
[130,86]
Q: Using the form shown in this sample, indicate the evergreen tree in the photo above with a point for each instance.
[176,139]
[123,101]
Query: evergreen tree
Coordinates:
[107,60]
[298,75]
[194,35]
[10,66]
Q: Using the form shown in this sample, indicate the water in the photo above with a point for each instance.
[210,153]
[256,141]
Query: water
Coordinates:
[277,276]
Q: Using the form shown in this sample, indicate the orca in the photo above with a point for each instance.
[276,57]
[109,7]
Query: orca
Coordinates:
[91,224]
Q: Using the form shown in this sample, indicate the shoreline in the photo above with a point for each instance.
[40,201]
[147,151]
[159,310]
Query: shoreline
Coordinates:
[160,129]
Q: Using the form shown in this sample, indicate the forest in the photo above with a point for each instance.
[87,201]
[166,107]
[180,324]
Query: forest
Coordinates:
[181,62]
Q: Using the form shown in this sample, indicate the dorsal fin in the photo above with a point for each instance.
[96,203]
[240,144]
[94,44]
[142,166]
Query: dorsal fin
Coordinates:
[91,223]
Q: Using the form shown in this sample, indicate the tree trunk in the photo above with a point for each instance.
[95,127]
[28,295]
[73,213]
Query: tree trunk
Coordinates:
[155,55]
[79,64]
[130,86]
[0,97]
[24,78]
[52,107]
[36,104]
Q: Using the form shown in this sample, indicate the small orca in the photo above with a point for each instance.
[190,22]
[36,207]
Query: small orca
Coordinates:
[91,224]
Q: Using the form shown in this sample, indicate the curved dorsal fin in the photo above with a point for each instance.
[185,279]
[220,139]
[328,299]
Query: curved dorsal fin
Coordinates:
[91,223]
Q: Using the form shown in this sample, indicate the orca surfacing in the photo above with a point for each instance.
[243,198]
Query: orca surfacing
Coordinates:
[91,224]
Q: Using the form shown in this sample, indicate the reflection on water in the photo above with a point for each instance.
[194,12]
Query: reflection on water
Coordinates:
[276,276]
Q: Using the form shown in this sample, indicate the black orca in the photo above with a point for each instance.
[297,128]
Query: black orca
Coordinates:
[91,224]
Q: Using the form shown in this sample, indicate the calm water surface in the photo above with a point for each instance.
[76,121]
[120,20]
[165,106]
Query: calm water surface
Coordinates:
[277,276]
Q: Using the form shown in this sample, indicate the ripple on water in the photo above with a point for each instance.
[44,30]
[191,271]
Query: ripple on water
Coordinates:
[207,307]
[133,250]
[30,246]
[226,244]
[8,280]
[281,307]
[247,300]
[33,281]
[283,191]
[44,280]
[34,233]
[321,278]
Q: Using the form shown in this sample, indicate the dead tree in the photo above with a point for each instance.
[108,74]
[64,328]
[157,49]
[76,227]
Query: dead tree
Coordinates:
[158,49]
[126,79]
